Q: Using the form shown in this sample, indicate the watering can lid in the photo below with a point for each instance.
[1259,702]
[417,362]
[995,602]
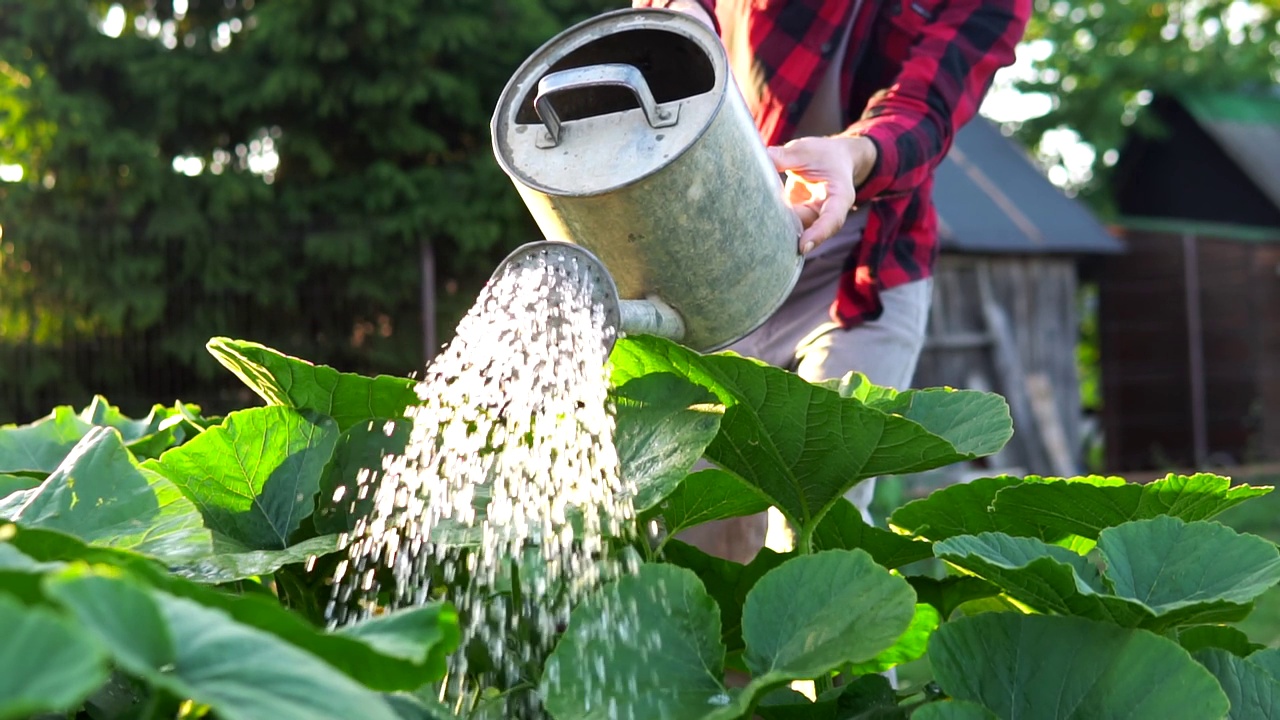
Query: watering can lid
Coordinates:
[598,154]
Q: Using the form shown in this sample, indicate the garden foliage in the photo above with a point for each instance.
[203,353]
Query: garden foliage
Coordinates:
[139,555]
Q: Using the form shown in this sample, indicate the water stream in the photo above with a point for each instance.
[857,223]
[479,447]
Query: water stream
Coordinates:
[508,493]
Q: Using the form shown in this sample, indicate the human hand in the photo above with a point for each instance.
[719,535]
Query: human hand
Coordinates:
[822,173]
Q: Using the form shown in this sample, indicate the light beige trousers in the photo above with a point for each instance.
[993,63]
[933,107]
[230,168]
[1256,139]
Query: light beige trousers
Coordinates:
[802,338]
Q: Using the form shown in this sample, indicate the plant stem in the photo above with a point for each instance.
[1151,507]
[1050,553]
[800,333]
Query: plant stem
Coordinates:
[822,684]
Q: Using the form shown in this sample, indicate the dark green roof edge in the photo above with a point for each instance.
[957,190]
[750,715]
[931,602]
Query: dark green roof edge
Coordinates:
[1176,226]
[1248,108]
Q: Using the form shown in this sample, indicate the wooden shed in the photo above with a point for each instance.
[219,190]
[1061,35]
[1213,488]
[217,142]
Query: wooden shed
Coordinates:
[1004,314]
[1190,318]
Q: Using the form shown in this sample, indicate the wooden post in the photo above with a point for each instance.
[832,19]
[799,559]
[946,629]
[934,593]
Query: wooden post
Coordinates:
[427,258]
[1195,349]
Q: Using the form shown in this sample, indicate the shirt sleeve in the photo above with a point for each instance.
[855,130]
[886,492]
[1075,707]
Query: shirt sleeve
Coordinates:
[708,5]
[939,88]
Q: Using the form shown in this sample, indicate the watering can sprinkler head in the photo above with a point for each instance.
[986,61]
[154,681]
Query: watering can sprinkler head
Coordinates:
[650,316]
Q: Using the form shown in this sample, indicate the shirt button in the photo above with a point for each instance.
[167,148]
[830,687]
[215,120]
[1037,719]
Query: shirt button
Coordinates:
[827,47]
[793,109]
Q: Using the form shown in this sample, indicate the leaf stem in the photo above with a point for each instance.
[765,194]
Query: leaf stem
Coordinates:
[822,684]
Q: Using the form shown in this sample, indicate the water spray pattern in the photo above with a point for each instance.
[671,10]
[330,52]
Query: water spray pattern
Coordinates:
[511,456]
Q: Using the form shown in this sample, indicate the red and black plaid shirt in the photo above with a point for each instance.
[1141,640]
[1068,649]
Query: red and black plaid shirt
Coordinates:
[914,73]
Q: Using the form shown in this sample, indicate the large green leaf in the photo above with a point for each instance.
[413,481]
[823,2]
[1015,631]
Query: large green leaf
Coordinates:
[664,423]
[708,495]
[255,476]
[965,509]
[47,664]
[120,612]
[844,529]
[146,437]
[647,646]
[1147,583]
[280,379]
[911,645]
[10,484]
[1086,506]
[41,551]
[40,446]
[1252,690]
[803,445]
[100,494]
[1223,637]
[1172,565]
[421,636]
[815,613]
[1081,670]
[227,563]
[359,450]
[726,581]
[243,673]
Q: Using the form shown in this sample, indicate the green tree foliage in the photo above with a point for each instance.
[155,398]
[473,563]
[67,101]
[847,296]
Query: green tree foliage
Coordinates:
[259,167]
[1101,61]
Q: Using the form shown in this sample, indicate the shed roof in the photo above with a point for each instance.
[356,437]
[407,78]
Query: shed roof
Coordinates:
[992,198]
[1247,129]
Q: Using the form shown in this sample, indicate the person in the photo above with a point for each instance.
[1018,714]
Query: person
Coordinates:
[857,101]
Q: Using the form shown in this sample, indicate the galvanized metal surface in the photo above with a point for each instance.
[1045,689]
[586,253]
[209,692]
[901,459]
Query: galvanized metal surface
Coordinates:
[691,213]
[572,262]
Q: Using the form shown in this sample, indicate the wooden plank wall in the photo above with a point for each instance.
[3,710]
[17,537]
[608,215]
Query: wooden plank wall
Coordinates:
[1146,346]
[1009,325]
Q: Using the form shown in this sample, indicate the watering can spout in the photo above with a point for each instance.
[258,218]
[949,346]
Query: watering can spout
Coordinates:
[649,316]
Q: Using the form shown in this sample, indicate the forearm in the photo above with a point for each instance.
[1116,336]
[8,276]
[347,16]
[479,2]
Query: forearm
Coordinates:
[939,89]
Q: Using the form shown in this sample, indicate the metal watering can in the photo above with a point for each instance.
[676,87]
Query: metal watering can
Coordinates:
[634,150]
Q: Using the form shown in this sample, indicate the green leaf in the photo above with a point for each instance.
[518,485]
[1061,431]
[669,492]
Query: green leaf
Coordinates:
[948,593]
[352,655]
[422,636]
[291,382]
[965,509]
[1222,637]
[909,647]
[243,673]
[1252,690]
[254,477]
[1083,670]
[664,423]
[1082,507]
[47,664]
[40,446]
[1145,585]
[100,494]
[1267,659]
[726,581]
[840,608]
[225,564]
[803,445]
[1172,565]
[647,646]
[844,529]
[787,704]
[953,710]
[359,449]
[708,495]
[10,484]
[119,612]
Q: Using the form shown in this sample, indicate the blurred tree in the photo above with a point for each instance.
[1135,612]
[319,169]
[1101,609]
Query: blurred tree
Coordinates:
[260,168]
[1101,61]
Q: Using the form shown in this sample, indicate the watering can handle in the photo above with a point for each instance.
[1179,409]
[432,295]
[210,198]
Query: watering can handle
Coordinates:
[607,74]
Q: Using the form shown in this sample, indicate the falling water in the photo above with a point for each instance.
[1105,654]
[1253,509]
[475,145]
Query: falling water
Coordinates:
[510,479]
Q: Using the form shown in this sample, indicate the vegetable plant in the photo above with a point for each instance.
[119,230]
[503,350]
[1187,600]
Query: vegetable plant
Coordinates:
[138,556]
